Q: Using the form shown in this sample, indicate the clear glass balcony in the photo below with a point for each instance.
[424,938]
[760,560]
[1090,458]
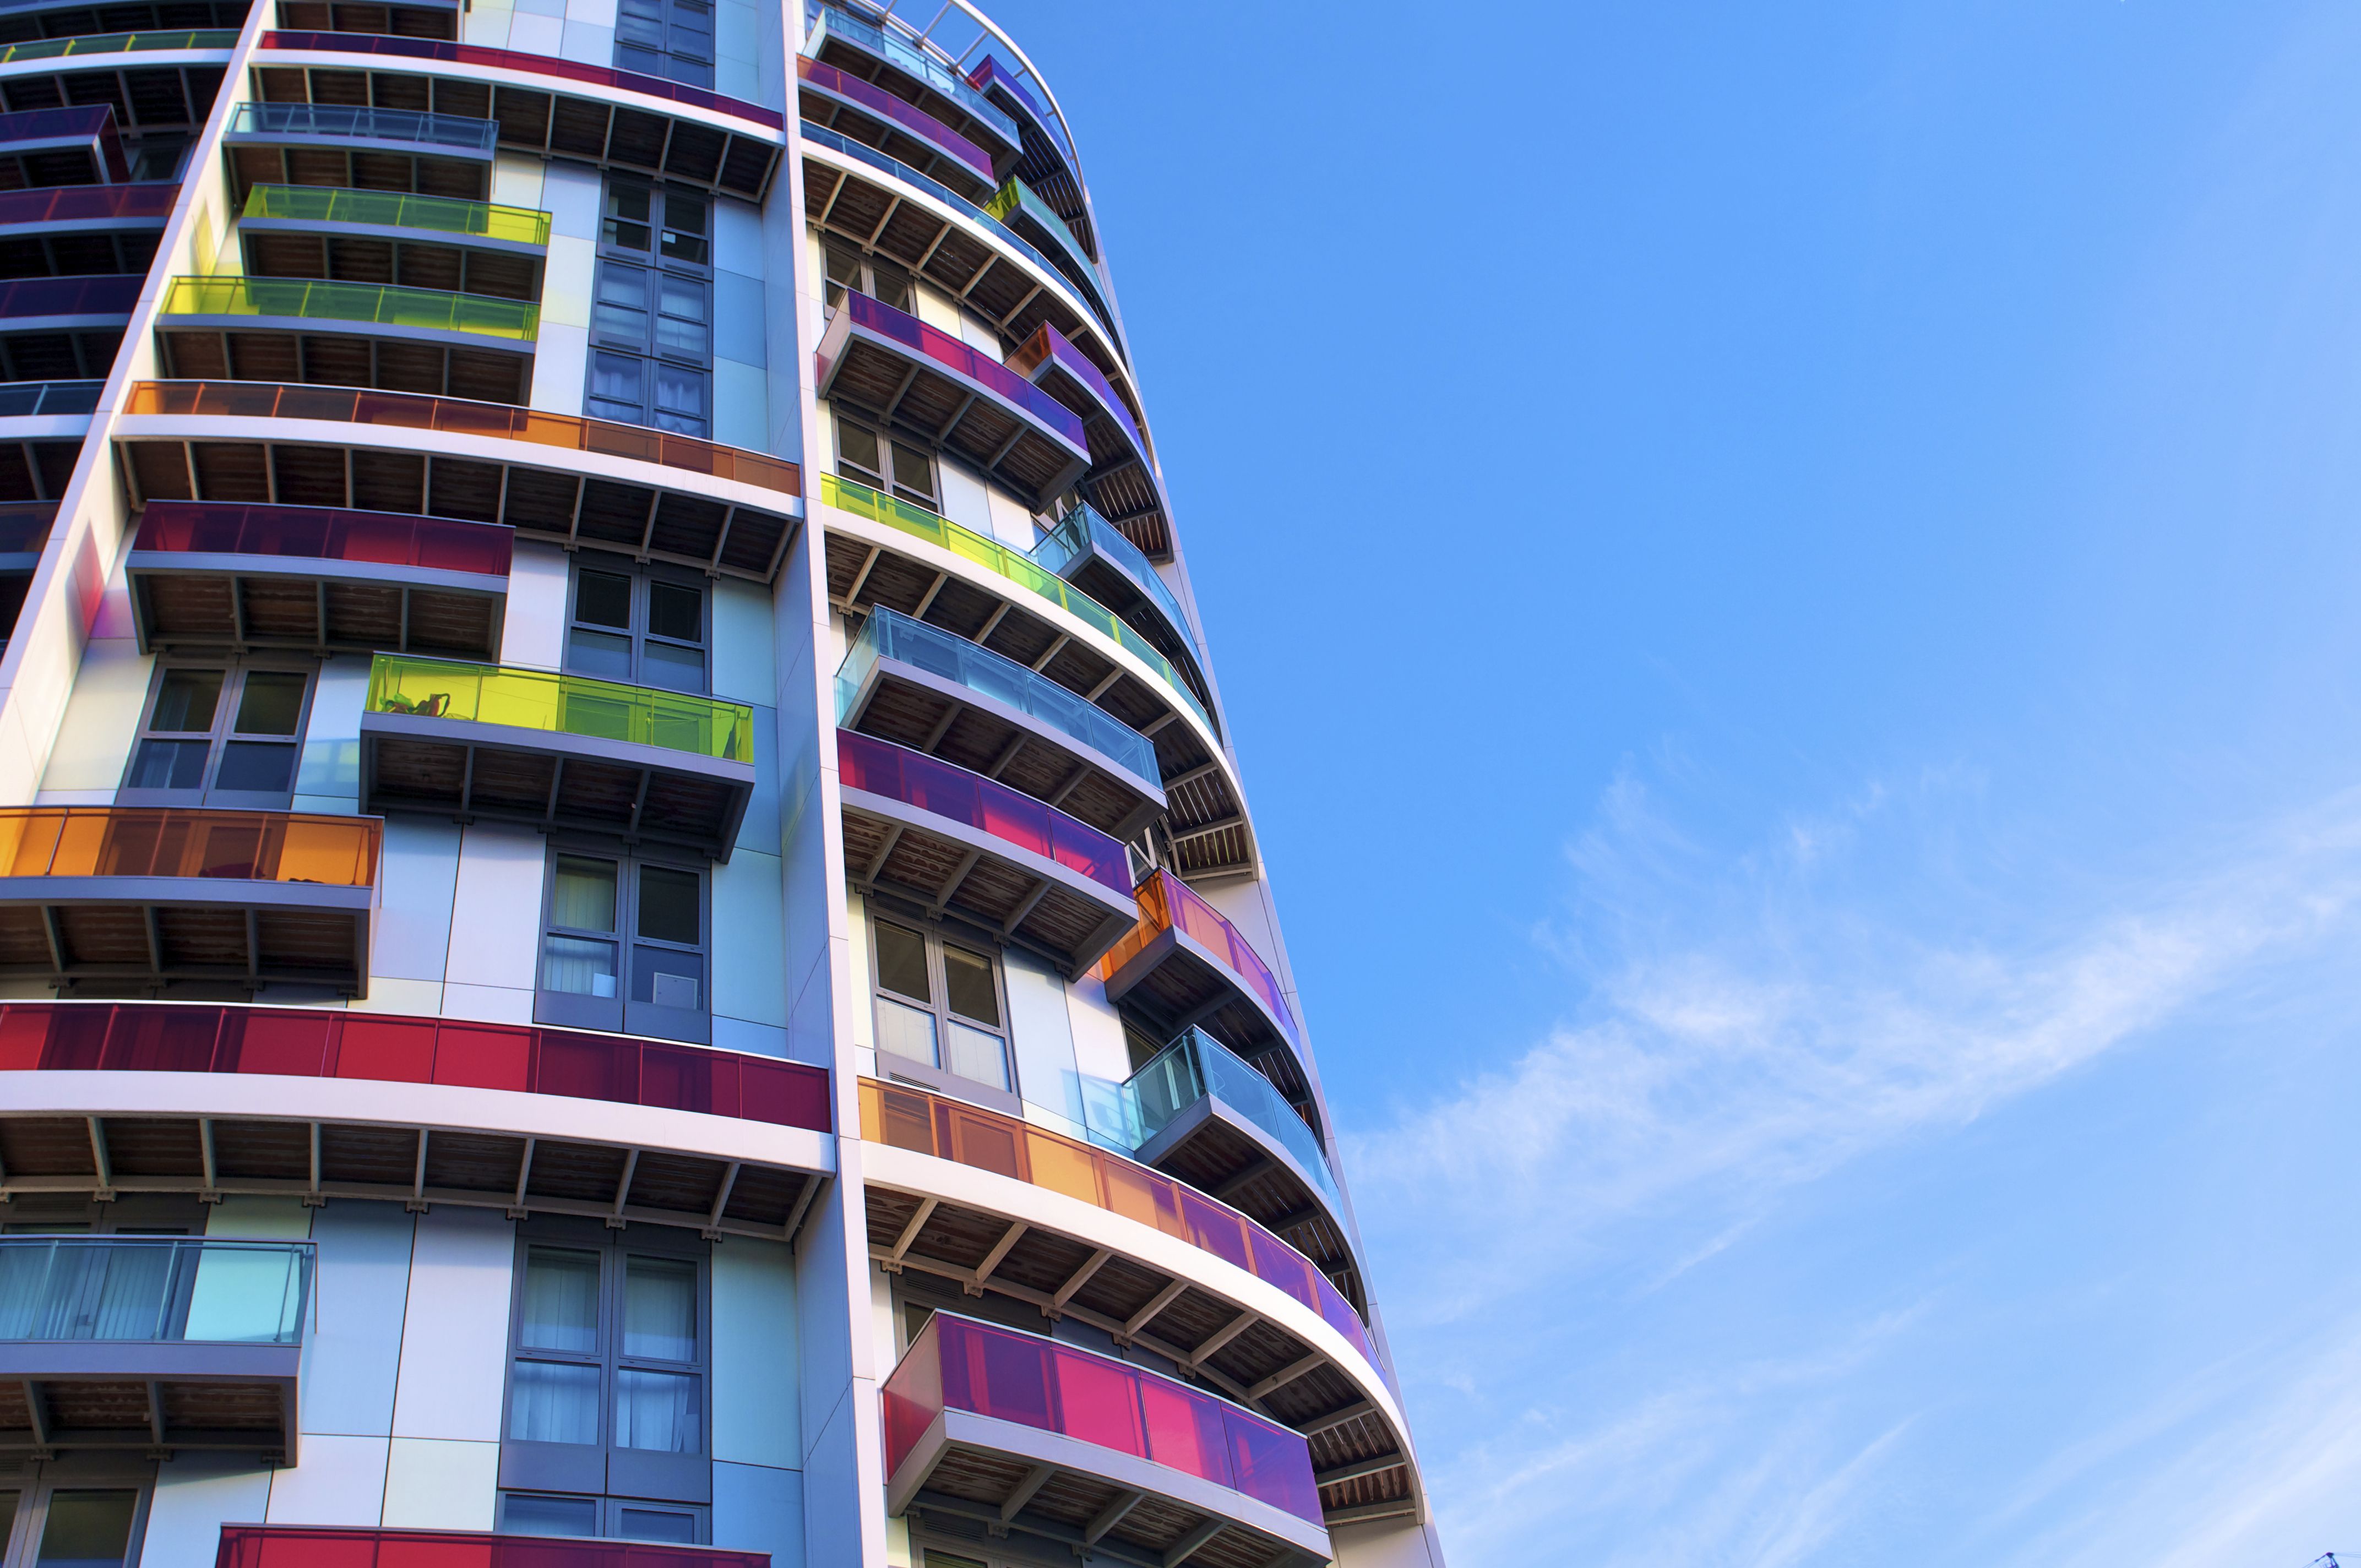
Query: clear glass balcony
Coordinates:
[1197,1066]
[891,635]
[455,132]
[385,209]
[1082,532]
[304,299]
[117,43]
[27,398]
[895,773]
[153,1289]
[561,704]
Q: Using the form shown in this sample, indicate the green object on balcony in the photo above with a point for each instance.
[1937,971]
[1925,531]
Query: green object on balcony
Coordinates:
[1017,196]
[388,209]
[561,705]
[304,299]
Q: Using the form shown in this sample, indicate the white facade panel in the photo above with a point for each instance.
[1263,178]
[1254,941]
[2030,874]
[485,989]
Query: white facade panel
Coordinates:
[420,875]
[754,1355]
[441,1483]
[456,1333]
[355,1354]
[340,1481]
[495,934]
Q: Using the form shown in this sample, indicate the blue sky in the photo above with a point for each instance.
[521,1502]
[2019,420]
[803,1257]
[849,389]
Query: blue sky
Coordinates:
[1785,580]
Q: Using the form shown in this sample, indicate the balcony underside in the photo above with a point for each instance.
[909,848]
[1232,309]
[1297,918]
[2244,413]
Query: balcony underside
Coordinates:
[406,21]
[388,359]
[951,256]
[1114,587]
[241,602]
[552,125]
[85,354]
[323,1160]
[1223,1155]
[1207,829]
[79,247]
[182,936]
[577,511]
[84,1395]
[1119,484]
[357,253]
[353,164]
[33,165]
[1044,167]
[616,789]
[1257,1363]
[899,387]
[36,470]
[144,97]
[924,712]
[1175,984]
[135,16]
[1091,1498]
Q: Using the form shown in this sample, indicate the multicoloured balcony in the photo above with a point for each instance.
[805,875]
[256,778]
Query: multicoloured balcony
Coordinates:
[63,147]
[562,753]
[132,1343]
[410,340]
[29,21]
[1048,164]
[166,80]
[472,248]
[908,375]
[1025,1432]
[873,116]
[1016,204]
[442,154]
[1185,962]
[111,898]
[320,579]
[884,58]
[318,1546]
[907,682]
[945,838]
[177,40]
[84,208]
[362,448]
[1122,484]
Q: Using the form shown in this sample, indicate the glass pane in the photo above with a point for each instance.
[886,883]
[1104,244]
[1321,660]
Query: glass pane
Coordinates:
[554,1402]
[672,667]
[664,977]
[617,378]
[906,1032]
[893,287]
[843,268]
[605,654]
[602,599]
[88,1530]
[914,470]
[858,447]
[657,1411]
[260,766]
[681,297]
[578,966]
[902,961]
[170,764]
[185,702]
[524,1514]
[271,703]
[967,981]
[560,1310]
[657,1524]
[583,896]
[676,612]
[681,391]
[977,1056]
[8,1501]
[660,1308]
[669,901]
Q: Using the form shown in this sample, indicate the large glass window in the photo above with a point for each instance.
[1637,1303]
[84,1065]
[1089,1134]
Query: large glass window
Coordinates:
[939,1007]
[878,278]
[651,310]
[78,1515]
[624,947]
[646,628]
[229,734]
[881,462]
[617,1518]
[667,37]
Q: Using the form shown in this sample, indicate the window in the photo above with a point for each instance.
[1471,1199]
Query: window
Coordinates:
[623,946]
[75,1515]
[881,280]
[861,455]
[651,310]
[221,734]
[645,628]
[667,37]
[939,1009]
[607,1382]
[617,1518]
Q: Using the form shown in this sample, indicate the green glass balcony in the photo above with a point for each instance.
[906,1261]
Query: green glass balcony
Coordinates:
[564,751]
[407,310]
[384,209]
[117,43]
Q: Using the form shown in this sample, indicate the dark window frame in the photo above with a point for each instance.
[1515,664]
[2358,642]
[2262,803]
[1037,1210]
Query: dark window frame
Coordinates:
[665,44]
[666,255]
[890,448]
[644,581]
[622,1014]
[606,1515]
[222,734]
[35,1488]
[1006,1096]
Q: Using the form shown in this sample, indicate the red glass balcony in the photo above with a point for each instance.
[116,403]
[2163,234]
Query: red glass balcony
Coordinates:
[323,579]
[969,1398]
[310,1043]
[899,369]
[64,146]
[319,1546]
[1184,958]
[961,839]
[875,117]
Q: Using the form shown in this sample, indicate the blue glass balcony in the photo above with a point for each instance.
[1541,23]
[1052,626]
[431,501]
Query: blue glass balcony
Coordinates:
[340,122]
[1098,558]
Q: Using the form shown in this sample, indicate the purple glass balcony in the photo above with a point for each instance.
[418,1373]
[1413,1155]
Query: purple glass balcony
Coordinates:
[70,299]
[318,1546]
[1048,164]
[64,146]
[87,204]
[225,576]
[845,104]
[1109,1435]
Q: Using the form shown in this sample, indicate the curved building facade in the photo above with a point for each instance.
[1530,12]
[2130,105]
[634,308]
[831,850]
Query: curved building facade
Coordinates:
[626,911]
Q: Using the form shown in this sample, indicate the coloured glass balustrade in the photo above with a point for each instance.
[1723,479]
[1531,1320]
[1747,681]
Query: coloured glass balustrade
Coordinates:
[365,123]
[906,56]
[286,1042]
[117,43]
[27,399]
[1016,196]
[153,1289]
[322,1546]
[933,343]
[1048,344]
[881,768]
[892,635]
[1022,570]
[388,209]
[456,416]
[326,533]
[1166,903]
[109,294]
[534,64]
[93,123]
[959,1364]
[88,203]
[165,841]
[909,117]
[304,299]
[911,1119]
[989,74]
[561,705]
[1196,1066]
[1083,531]
[25,526]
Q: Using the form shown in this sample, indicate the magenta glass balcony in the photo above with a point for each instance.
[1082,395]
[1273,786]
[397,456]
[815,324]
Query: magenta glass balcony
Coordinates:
[326,533]
[959,1366]
[107,295]
[946,350]
[310,1043]
[1168,904]
[989,74]
[536,64]
[909,117]
[93,125]
[1046,347]
[883,768]
[87,203]
[320,1546]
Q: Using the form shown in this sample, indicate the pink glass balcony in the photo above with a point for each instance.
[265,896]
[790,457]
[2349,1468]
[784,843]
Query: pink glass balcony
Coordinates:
[967,1387]
[319,1546]
[308,1043]
[881,768]
[326,533]
[952,354]
[879,104]
[1181,945]
[87,203]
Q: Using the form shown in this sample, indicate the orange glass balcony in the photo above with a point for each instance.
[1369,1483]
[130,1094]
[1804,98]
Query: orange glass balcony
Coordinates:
[1185,963]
